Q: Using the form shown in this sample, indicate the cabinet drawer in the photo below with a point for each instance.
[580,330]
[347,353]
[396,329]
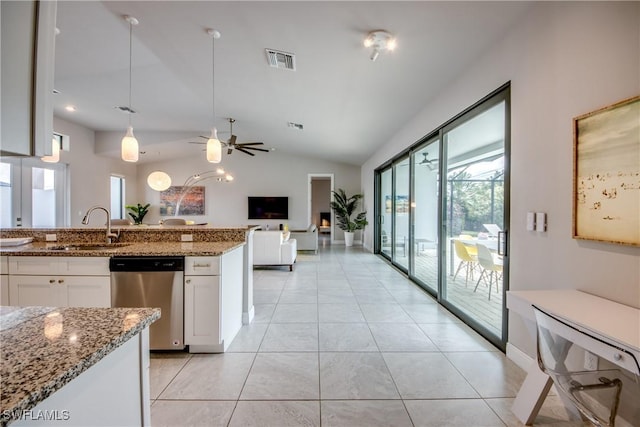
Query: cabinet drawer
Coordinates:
[202,266]
[47,265]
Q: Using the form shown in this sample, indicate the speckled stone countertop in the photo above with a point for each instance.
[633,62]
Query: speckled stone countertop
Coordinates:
[122,249]
[44,348]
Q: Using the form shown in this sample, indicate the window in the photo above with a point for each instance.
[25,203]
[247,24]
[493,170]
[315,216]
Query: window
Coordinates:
[117,197]
[33,193]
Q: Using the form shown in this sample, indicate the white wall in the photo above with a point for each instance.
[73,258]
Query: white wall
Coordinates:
[266,174]
[563,60]
[89,174]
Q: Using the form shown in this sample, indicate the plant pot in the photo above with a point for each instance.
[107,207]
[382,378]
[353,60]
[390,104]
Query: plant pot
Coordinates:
[348,238]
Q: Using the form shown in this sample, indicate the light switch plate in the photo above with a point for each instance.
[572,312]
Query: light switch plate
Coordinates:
[51,237]
[531,221]
[541,222]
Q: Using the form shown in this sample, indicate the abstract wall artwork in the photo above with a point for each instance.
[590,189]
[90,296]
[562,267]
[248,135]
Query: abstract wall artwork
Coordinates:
[606,199]
[191,200]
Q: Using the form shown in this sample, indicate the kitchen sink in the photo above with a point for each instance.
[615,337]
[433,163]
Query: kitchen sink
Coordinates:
[87,247]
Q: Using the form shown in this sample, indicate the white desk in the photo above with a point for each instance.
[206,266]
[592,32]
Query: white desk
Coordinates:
[615,324]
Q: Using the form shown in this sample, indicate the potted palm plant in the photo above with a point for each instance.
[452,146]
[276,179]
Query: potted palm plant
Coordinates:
[138,212]
[344,207]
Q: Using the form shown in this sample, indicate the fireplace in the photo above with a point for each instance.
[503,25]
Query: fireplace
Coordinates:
[325,222]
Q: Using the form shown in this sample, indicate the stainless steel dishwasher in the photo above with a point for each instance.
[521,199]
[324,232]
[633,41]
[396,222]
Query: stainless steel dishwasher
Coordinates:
[149,281]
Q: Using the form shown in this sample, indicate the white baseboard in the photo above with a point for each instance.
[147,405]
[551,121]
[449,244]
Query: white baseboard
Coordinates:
[519,357]
[248,317]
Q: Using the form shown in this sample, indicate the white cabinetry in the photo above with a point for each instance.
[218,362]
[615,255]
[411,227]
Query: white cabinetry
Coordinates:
[212,301]
[27,66]
[59,281]
[4,281]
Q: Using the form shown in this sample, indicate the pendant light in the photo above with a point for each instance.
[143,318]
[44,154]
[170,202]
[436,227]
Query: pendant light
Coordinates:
[129,144]
[159,180]
[214,147]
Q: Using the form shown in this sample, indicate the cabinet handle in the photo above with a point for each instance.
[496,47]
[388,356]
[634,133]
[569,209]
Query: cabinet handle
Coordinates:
[60,281]
[52,280]
[188,281]
[196,265]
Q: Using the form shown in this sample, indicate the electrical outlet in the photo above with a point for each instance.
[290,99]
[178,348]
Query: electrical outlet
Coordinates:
[51,237]
[187,238]
[590,361]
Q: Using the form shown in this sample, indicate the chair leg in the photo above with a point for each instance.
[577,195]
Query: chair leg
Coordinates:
[458,270]
[291,267]
[479,279]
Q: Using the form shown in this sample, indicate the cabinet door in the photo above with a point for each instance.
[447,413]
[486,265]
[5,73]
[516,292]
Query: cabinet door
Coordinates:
[83,291]
[4,290]
[202,310]
[35,290]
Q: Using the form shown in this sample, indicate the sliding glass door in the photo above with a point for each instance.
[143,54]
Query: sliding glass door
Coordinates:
[442,210]
[473,217]
[426,183]
[401,213]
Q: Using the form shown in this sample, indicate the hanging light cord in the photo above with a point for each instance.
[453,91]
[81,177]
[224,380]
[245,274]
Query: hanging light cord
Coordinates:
[130,56]
[213,80]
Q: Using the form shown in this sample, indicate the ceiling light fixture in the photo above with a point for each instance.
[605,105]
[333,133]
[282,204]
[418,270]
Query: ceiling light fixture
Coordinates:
[159,180]
[129,146]
[214,147]
[380,41]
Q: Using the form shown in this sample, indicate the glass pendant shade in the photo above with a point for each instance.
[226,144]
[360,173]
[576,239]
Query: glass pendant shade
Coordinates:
[214,147]
[130,148]
[55,153]
[159,180]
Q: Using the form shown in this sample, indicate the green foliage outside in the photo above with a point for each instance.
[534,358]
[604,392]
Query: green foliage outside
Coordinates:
[469,204]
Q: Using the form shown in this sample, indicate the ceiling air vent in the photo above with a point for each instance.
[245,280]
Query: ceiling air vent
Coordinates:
[284,60]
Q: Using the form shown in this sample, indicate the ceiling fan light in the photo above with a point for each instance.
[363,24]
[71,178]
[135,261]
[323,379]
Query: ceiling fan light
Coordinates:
[159,180]
[214,147]
[129,147]
[220,171]
[55,153]
[228,177]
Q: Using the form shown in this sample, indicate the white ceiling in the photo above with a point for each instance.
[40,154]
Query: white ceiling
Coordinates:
[348,104]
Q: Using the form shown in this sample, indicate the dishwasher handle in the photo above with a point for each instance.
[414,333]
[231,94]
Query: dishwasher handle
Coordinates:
[146,263]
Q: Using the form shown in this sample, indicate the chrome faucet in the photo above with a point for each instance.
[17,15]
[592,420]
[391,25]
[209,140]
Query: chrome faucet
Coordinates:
[110,234]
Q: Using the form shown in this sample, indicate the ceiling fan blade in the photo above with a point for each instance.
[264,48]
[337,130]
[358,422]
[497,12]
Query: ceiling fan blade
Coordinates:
[250,143]
[229,150]
[245,151]
[232,140]
[256,149]
[196,142]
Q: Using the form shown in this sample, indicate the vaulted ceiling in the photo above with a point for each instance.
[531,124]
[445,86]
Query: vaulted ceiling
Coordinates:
[349,105]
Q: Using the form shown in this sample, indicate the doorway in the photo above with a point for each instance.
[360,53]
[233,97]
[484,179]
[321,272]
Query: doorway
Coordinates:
[319,206]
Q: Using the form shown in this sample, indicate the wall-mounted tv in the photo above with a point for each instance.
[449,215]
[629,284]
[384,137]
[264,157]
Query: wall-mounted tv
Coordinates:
[268,207]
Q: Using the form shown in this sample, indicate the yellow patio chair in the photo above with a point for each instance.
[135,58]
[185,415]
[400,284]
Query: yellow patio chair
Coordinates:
[466,259]
[471,249]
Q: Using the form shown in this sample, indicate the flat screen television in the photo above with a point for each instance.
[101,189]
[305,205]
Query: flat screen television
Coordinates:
[268,207]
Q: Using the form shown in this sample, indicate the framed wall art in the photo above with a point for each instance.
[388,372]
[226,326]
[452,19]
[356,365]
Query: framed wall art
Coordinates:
[606,174]
[179,200]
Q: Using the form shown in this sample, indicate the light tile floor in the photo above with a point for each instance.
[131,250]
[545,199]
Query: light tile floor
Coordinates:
[343,340]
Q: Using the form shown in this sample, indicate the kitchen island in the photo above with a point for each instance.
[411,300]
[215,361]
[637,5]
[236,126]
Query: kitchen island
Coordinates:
[74,366]
[73,270]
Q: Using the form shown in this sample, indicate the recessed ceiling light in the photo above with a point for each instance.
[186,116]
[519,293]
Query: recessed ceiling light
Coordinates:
[70,108]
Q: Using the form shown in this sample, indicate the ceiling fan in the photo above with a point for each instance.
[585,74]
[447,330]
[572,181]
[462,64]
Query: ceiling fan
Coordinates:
[429,162]
[231,143]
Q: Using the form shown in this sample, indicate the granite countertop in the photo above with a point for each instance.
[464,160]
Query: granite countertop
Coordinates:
[44,348]
[130,249]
